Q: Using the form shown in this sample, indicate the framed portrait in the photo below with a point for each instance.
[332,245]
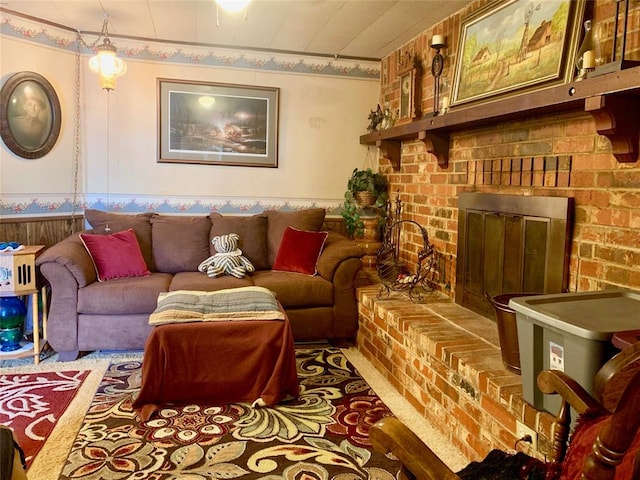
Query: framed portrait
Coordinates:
[409,95]
[512,46]
[217,123]
[30,115]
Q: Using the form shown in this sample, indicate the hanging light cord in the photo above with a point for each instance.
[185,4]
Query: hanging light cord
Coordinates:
[107,228]
[76,150]
[76,160]
[104,33]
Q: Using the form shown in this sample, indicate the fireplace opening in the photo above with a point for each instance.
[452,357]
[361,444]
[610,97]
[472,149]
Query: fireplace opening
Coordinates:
[511,244]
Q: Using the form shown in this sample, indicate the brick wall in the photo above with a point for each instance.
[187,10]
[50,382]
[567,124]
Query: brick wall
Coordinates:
[445,360]
[472,403]
[554,155]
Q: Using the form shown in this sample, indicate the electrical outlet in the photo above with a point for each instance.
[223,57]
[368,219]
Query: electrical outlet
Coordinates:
[522,431]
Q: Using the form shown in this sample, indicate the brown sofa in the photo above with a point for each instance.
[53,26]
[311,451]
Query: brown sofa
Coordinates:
[86,314]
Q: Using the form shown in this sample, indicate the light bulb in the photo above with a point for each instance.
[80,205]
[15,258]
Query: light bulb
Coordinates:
[107,65]
[233,6]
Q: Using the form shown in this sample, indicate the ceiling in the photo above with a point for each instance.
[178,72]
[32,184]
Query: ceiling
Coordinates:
[368,29]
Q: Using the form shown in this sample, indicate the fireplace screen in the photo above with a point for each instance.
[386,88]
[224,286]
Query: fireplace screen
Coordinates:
[510,244]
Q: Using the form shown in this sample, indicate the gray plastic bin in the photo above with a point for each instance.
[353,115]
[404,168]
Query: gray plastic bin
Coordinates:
[570,332]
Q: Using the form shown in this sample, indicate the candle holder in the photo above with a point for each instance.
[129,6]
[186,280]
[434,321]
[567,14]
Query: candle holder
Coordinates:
[437,65]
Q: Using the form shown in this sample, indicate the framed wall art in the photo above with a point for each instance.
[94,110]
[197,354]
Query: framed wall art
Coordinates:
[513,46]
[30,116]
[217,123]
[409,70]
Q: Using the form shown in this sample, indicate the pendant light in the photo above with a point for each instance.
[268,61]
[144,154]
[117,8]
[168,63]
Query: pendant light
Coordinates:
[233,6]
[106,64]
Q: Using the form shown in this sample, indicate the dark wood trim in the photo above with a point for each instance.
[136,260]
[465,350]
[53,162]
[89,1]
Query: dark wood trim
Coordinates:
[41,230]
[612,99]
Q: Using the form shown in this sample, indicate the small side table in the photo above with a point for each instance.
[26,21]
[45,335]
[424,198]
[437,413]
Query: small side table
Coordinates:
[19,277]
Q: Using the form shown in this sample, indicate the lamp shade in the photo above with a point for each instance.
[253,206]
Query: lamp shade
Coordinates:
[107,65]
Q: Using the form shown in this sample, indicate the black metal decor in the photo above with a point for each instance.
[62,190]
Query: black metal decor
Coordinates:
[393,272]
[437,65]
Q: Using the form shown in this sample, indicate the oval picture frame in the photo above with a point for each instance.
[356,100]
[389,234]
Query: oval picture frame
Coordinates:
[30,116]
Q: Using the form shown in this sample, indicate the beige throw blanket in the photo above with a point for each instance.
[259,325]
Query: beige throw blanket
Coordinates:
[245,303]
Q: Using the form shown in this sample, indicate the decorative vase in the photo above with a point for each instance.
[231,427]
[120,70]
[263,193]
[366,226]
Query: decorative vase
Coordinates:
[12,315]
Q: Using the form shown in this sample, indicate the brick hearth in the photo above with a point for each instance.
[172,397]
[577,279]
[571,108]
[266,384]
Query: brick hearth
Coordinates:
[445,360]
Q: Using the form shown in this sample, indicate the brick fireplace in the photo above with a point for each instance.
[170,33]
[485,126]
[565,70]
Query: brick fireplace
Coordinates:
[444,357]
[511,244]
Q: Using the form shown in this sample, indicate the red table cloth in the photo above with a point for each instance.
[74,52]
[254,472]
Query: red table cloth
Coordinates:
[217,363]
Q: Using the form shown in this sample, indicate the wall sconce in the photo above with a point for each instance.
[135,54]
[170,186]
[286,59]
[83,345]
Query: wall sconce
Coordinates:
[437,64]
[106,64]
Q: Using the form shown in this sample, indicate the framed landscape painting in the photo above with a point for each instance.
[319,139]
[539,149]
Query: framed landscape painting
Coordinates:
[514,46]
[217,124]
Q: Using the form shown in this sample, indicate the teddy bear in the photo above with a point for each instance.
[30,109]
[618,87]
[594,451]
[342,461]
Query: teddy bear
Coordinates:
[228,259]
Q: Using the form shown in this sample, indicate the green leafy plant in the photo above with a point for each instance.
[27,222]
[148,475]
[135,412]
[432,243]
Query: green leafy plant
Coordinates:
[374,185]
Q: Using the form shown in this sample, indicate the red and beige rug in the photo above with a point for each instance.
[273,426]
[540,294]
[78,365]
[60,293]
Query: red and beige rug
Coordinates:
[32,403]
[321,435]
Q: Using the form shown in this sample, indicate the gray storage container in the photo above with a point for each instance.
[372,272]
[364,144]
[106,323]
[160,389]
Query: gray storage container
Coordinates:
[570,332]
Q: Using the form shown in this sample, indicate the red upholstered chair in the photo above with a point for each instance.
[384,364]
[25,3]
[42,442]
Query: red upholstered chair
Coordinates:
[605,444]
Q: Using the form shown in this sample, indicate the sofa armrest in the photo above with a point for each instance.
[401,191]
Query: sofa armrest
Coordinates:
[337,249]
[71,254]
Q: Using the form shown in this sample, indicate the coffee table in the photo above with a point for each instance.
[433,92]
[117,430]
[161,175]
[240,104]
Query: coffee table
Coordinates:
[216,363]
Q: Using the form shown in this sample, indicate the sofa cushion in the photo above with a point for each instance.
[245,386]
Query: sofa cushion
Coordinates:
[299,251]
[140,223]
[125,296]
[295,290]
[253,235]
[310,219]
[116,255]
[180,243]
[200,281]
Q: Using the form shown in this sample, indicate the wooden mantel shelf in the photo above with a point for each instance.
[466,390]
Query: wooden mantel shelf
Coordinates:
[612,99]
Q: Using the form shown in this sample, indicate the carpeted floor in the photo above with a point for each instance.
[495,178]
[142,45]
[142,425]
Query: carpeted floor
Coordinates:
[48,463]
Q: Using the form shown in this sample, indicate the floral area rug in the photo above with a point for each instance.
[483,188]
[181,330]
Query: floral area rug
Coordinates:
[323,434]
[31,404]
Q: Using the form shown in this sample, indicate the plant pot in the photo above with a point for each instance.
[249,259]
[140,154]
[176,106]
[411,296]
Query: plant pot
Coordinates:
[364,199]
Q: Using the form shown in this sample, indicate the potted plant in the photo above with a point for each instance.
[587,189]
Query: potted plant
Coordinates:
[366,194]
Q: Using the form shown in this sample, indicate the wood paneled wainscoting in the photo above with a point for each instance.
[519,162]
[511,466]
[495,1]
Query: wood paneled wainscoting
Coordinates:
[39,230]
[445,360]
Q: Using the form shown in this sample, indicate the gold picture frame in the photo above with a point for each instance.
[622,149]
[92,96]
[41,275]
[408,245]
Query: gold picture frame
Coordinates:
[409,73]
[514,46]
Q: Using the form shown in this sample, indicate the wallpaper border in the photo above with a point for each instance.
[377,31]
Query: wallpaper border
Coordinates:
[50,36]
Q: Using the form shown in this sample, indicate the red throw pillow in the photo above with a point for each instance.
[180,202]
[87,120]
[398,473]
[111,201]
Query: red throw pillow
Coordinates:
[115,256]
[299,251]
[582,439]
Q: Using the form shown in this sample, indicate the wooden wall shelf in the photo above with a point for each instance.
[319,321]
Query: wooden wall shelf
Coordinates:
[612,99]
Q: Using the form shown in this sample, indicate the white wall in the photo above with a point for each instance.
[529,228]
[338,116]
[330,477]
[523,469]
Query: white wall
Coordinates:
[321,119]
